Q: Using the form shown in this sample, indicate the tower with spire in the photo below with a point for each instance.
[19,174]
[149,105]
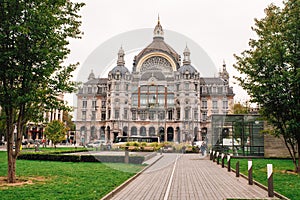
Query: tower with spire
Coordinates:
[224,74]
[158,30]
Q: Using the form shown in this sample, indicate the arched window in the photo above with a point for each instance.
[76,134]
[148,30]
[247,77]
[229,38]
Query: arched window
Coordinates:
[133,130]
[143,131]
[152,131]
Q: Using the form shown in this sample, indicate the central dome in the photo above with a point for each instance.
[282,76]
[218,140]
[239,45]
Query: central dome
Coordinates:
[158,45]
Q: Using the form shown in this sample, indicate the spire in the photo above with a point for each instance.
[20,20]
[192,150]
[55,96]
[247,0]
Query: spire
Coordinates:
[158,30]
[91,76]
[224,74]
[186,54]
[121,61]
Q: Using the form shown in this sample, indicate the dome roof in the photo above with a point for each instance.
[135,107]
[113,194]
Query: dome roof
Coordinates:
[121,69]
[158,45]
[187,68]
[120,64]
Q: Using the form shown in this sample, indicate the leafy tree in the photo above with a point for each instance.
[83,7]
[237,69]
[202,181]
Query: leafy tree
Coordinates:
[67,118]
[33,44]
[272,69]
[56,131]
[239,108]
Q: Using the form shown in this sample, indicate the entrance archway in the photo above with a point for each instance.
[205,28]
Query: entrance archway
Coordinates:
[170,134]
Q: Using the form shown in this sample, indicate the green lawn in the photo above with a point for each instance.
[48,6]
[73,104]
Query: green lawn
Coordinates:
[285,183]
[65,180]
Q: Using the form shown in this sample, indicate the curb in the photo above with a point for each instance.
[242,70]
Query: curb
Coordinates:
[119,188]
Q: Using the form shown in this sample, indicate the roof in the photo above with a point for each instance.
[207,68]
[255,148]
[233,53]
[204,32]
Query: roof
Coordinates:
[158,44]
[211,81]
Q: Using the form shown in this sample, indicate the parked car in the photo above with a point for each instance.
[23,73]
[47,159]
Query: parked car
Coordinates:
[2,143]
[96,143]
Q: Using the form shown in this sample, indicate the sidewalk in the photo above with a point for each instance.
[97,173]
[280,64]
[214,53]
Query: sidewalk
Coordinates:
[186,176]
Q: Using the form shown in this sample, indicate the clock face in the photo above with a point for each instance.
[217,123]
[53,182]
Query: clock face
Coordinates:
[156,63]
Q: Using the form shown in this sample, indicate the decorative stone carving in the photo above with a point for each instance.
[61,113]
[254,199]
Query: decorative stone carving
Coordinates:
[157,62]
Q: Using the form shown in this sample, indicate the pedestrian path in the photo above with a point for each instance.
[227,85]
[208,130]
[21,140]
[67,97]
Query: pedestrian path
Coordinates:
[185,177]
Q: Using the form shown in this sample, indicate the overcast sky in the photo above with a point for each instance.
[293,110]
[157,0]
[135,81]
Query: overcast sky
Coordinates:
[221,27]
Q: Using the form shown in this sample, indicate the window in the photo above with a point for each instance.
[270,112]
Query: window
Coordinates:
[186,114]
[195,115]
[84,104]
[134,100]
[89,90]
[103,103]
[125,114]
[161,116]
[177,87]
[178,114]
[117,114]
[214,90]
[225,104]
[93,117]
[215,104]
[161,99]
[151,115]
[204,116]
[94,104]
[103,115]
[143,115]
[133,115]
[117,87]
[170,100]
[186,86]
[83,115]
[170,114]
[204,104]
[143,99]
[220,90]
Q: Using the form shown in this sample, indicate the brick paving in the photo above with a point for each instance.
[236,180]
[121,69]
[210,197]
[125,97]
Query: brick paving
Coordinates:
[187,176]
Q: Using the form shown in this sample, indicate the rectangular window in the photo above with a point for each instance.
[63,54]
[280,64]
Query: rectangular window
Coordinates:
[225,104]
[125,114]
[204,116]
[143,115]
[161,99]
[103,104]
[178,114]
[94,104]
[220,90]
[103,115]
[215,104]
[187,114]
[204,104]
[133,115]
[90,90]
[214,90]
[177,87]
[170,114]
[152,89]
[195,115]
[83,115]
[151,115]
[84,104]
[117,114]
[170,100]
[186,86]
[93,117]
[143,99]
[161,116]
[134,100]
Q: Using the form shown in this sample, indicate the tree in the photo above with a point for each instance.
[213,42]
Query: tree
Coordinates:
[272,69]
[239,108]
[56,131]
[33,44]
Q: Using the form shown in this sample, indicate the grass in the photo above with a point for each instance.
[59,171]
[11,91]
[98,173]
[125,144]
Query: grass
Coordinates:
[285,183]
[65,180]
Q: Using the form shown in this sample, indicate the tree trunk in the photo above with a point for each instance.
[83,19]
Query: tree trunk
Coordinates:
[298,165]
[11,170]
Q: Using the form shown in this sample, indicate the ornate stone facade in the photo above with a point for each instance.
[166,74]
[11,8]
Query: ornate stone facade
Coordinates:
[160,97]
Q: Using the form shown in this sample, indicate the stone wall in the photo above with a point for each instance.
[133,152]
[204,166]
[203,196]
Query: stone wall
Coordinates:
[275,147]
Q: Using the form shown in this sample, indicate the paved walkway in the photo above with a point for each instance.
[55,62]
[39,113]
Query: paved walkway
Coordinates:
[187,176]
